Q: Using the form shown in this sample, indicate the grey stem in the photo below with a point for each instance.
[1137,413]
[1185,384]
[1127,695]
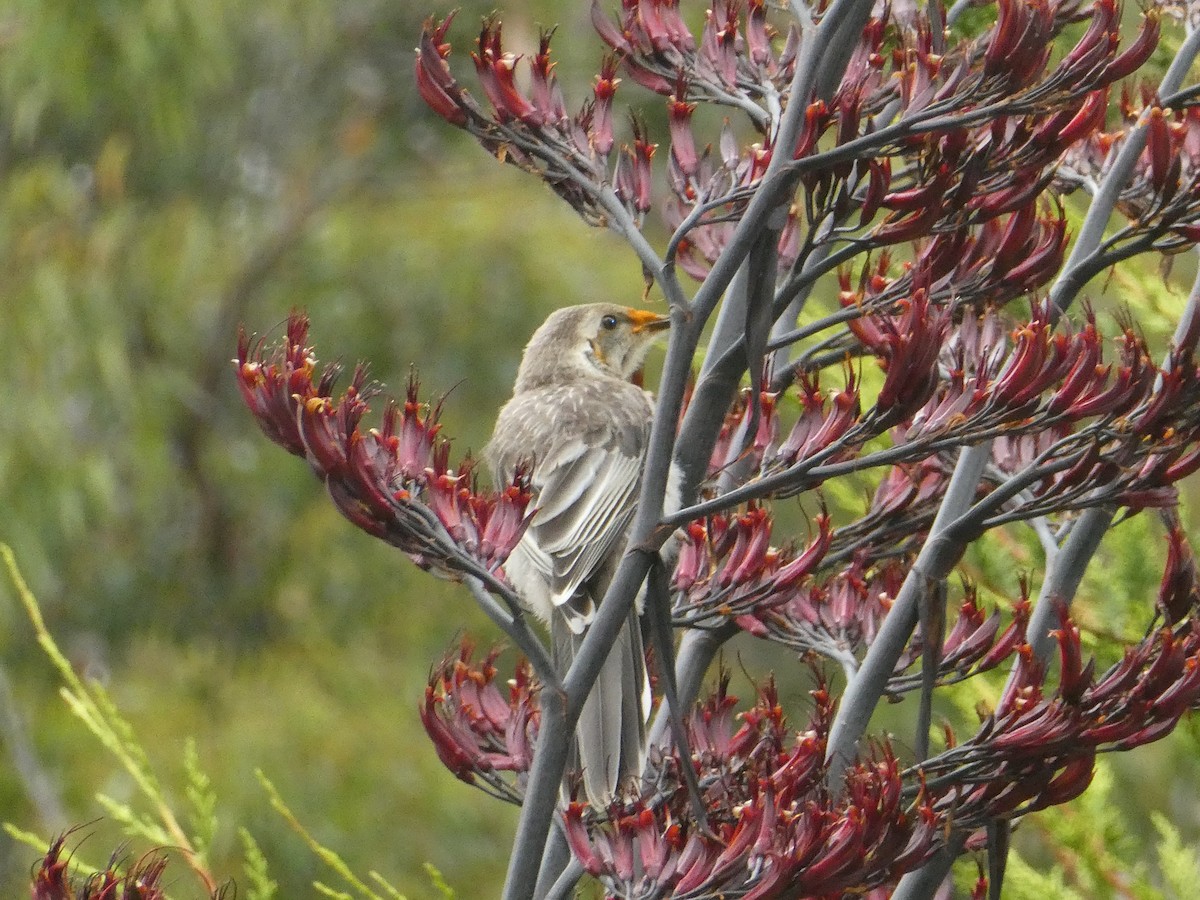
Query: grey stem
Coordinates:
[924,882]
[541,797]
[731,320]
[720,375]
[1063,576]
[941,551]
[1080,264]
[564,887]
[795,305]
[556,862]
[697,649]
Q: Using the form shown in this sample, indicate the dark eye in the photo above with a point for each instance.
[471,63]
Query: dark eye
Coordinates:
[609,323]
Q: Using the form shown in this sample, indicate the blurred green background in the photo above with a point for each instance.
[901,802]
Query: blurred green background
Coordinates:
[169,169]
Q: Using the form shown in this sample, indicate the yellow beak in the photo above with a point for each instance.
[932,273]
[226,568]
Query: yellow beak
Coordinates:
[643,320]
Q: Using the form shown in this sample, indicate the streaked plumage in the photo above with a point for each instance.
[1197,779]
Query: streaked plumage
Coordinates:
[585,426]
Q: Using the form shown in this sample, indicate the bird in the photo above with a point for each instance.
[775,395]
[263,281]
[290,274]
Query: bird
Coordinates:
[577,418]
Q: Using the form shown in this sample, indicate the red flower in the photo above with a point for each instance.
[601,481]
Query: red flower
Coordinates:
[393,481]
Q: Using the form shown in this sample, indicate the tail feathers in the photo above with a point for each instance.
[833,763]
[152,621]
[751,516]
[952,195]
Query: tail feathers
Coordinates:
[611,733]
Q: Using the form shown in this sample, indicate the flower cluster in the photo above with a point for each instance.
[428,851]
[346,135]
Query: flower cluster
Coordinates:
[836,615]
[773,823]
[534,130]
[730,64]
[53,880]
[776,829]
[394,482]
[1063,418]
[728,568]
[952,169]
[1162,201]
[1037,750]
[956,171]
[478,731]
[974,644]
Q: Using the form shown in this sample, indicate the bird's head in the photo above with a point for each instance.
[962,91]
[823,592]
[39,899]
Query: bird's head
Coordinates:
[597,338]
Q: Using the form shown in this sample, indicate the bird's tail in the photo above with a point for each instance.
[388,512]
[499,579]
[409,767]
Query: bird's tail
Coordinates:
[610,736]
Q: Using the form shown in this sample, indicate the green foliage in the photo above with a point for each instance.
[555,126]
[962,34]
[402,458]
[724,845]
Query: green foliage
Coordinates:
[1093,848]
[444,890]
[171,170]
[259,884]
[202,800]
[1022,882]
[89,702]
[1178,862]
[328,856]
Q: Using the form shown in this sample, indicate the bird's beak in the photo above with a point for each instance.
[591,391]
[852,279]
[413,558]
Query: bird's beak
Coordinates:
[644,320]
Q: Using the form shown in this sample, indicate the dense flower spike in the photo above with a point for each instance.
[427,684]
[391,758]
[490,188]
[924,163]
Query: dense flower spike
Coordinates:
[1038,750]
[728,568]
[776,830]
[479,732]
[394,482]
[773,825]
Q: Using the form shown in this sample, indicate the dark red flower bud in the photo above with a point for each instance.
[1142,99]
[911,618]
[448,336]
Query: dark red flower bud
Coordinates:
[880,176]
[496,70]
[1159,148]
[923,195]
[1094,47]
[546,94]
[679,119]
[609,32]
[435,84]
[816,119]
[601,133]
[1132,58]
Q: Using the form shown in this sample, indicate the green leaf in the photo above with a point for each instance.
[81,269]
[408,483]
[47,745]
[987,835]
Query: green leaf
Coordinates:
[259,884]
[1178,862]
[439,882]
[202,798]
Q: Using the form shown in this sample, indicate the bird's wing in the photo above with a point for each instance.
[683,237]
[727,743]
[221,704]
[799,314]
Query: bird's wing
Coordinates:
[587,494]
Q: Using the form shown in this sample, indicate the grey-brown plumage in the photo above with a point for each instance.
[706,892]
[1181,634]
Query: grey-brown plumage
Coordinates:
[578,418]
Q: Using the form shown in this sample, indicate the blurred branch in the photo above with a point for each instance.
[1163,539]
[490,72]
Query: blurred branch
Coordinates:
[39,788]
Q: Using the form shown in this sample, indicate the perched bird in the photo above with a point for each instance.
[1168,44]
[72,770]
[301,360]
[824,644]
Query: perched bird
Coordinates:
[576,415]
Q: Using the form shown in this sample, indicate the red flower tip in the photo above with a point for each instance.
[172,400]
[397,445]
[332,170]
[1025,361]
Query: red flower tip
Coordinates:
[435,84]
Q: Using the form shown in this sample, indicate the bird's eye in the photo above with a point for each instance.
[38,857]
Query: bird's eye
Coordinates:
[609,322]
